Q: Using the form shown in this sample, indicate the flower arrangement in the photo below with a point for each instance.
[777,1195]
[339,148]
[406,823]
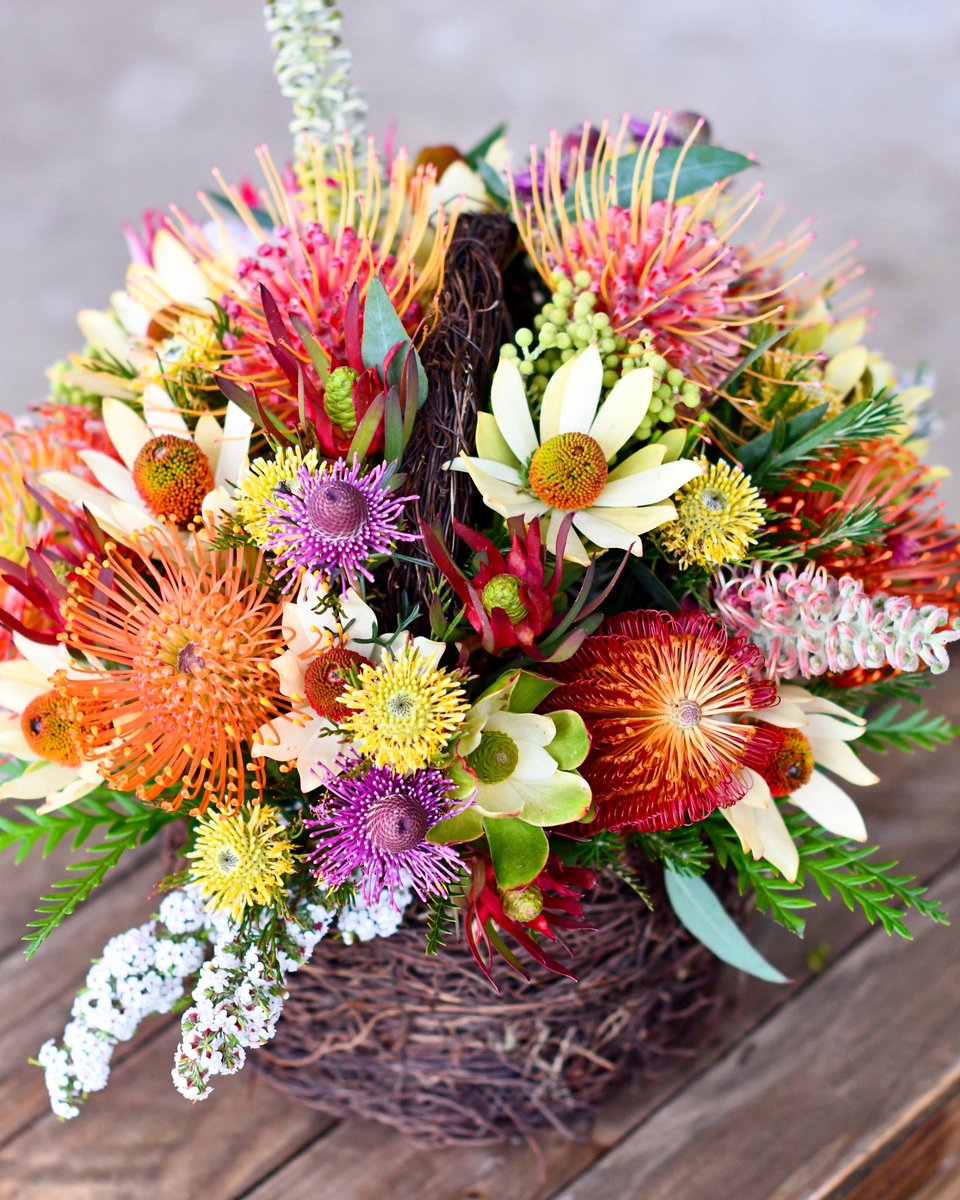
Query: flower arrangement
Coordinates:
[629,599]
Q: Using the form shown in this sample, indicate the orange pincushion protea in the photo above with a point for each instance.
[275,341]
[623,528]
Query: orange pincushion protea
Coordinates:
[918,554]
[189,639]
[658,692]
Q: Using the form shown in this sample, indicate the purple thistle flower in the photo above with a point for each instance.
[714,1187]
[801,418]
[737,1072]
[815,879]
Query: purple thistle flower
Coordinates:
[333,519]
[377,823]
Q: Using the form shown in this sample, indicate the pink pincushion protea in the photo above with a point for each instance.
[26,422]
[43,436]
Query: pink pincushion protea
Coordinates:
[310,276]
[673,275]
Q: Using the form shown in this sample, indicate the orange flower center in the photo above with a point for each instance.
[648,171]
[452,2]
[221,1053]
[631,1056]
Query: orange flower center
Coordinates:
[568,471]
[790,766]
[48,730]
[172,476]
[323,682]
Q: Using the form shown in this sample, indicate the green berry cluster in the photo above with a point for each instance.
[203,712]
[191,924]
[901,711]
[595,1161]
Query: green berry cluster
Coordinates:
[568,323]
[62,391]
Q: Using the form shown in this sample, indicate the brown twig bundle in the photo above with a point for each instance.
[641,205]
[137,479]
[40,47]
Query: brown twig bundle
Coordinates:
[458,357]
[421,1043]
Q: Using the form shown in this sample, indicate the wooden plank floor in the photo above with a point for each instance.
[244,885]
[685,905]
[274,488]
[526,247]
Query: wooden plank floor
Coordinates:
[845,1083]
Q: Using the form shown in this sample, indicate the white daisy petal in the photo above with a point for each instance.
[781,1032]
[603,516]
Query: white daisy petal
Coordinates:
[573,550]
[66,795]
[552,401]
[621,527]
[841,760]
[208,435]
[37,781]
[127,431]
[177,272]
[764,834]
[648,487]
[490,442]
[321,752]
[830,807]
[13,742]
[102,330]
[114,476]
[757,794]
[46,659]
[231,458]
[641,460]
[623,410]
[508,400]
[161,414]
[819,725]
[283,738]
[578,406]
[495,470]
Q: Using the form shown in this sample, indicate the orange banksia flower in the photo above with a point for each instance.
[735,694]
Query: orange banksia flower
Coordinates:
[181,646]
[916,555]
[658,693]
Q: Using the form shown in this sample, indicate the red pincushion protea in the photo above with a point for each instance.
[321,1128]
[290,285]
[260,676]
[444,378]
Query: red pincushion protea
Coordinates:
[658,693]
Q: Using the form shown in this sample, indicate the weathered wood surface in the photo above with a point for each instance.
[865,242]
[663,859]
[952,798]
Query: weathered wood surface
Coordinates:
[846,1084]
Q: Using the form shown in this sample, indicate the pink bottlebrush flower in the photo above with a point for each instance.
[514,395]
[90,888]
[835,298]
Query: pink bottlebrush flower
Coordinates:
[808,622]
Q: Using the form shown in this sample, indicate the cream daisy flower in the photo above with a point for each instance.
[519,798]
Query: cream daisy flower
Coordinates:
[817,733]
[34,730]
[165,471]
[565,467]
[320,643]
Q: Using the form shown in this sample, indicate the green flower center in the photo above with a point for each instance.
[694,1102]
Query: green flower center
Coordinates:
[495,759]
[338,398]
[503,591]
[522,904]
[568,471]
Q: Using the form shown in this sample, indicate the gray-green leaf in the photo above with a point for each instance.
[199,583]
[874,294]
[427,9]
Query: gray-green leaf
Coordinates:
[702,914]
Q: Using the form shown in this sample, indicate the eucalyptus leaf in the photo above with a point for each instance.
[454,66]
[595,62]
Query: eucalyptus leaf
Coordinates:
[701,166]
[478,153]
[494,183]
[700,912]
[382,330]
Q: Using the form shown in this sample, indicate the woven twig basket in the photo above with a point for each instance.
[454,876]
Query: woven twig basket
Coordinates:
[423,1044]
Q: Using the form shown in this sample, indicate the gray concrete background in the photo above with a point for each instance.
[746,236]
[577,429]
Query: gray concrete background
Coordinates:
[852,106]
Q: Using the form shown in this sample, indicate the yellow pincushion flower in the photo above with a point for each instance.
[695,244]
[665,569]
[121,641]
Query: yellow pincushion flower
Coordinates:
[718,514]
[406,709]
[257,489]
[242,859]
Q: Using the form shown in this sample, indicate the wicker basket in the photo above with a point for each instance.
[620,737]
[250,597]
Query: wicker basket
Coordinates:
[382,1031]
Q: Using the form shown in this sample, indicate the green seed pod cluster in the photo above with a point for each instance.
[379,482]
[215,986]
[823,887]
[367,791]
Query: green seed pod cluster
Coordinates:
[568,323]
